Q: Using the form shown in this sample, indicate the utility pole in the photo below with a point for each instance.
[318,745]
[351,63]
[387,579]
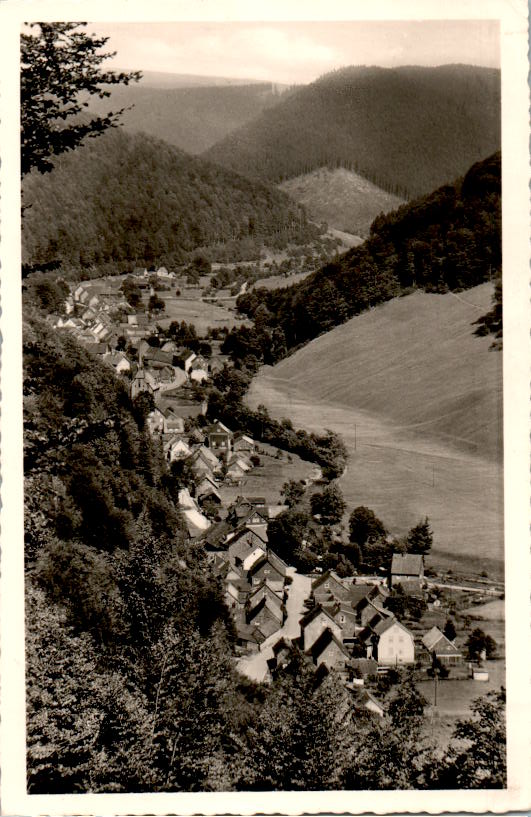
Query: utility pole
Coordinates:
[355,436]
[433,477]
[435,679]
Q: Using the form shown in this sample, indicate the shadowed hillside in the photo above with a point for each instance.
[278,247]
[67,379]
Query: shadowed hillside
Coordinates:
[191,118]
[341,198]
[129,198]
[406,129]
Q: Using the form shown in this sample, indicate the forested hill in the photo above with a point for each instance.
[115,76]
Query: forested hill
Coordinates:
[449,240]
[406,129]
[191,118]
[133,199]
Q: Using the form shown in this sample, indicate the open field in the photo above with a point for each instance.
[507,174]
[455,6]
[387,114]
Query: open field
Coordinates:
[201,314]
[393,383]
[280,281]
[341,198]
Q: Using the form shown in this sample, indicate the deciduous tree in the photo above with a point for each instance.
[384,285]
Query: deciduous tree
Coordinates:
[60,68]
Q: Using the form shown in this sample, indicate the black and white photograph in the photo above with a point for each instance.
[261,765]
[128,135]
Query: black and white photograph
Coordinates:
[262,286]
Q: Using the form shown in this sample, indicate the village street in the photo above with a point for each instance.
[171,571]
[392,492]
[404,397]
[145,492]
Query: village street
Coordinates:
[255,666]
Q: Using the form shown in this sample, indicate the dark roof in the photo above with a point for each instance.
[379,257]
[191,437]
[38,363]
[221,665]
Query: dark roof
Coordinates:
[313,613]
[406,564]
[217,533]
[326,638]
[247,632]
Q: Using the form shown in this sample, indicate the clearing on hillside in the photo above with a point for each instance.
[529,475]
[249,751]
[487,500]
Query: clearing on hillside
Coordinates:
[417,398]
[343,199]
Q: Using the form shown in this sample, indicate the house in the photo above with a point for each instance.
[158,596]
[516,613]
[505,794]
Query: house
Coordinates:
[281,655]
[245,510]
[176,448]
[187,409]
[219,438]
[344,615]
[143,381]
[240,461]
[389,642]
[243,444]
[156,358]
[216,537]
[199,369]
[372,704]
[138,320]
[155,421]
[407,569]
[241,544]
[119,362]
[184,359]
[237,590]
[314,622]
[204,462]
[264,610]
[248,637]
[173,422]
[366,667]
[329,587]
[235,473]
[441,647]
[207,491]
[328,650]
[269,568]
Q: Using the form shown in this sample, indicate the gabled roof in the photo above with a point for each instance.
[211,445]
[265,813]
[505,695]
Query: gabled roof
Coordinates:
[386,624]
[406,564]
[313,613]
[217,427]
[436,641]
[322,642]
[217,534]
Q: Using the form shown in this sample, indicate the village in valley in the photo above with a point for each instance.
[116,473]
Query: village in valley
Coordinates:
[263,428]
[341,623]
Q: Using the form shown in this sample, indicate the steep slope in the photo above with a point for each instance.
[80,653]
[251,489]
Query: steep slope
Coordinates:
[414,360]
[341,198]
[191,118]
[417,399]
[406,129]
[130,198]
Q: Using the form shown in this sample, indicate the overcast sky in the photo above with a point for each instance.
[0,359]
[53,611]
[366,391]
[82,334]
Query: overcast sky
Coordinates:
[296,52]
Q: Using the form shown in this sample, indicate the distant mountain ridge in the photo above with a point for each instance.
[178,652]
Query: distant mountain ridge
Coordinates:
[407,129]
[129,198]
[193,115]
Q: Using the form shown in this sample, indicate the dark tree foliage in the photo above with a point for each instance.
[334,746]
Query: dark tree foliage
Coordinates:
[60,70]
[364,526]
[329,504]
[478,643]
[477,755]
[449,629]
[96,209]
[420,538]
[406,129]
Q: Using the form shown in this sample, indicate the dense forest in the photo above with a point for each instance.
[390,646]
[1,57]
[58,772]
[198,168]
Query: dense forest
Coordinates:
[449,240]
[406,129]
[192,119]
[131,682]
[128,199]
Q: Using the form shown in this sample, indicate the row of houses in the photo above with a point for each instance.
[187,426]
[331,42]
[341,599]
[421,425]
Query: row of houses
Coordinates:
[348,623]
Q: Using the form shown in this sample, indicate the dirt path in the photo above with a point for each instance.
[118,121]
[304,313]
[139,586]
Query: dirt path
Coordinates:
[255,666]
[405,476]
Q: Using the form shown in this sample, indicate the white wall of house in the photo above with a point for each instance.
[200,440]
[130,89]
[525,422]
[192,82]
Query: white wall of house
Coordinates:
[396,646]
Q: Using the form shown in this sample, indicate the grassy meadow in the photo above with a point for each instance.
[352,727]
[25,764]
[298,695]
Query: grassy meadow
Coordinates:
[417,399]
